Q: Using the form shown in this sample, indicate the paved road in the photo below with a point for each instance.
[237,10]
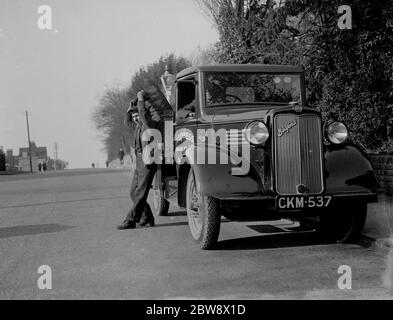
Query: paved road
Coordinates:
[68,222]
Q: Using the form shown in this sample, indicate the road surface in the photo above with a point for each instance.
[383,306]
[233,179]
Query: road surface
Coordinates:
[67,221]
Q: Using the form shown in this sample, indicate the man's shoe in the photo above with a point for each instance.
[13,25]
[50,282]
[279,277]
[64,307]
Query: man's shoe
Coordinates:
[150,224]
[147,224]
[127,225]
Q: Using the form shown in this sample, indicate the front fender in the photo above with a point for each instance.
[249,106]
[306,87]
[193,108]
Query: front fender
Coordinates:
[219,179]
[348,170]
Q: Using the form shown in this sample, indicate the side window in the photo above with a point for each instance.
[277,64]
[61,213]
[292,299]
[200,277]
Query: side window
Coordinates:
[186,100]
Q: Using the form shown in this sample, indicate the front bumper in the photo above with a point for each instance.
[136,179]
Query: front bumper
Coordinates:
[269,201]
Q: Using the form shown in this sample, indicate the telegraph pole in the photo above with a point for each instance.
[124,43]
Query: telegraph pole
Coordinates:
[56,148]
[28,139]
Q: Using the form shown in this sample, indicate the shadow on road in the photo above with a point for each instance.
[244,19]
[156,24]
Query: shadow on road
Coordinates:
[57,174]
[282,240]
[18,231]
[174,224]
[63,201]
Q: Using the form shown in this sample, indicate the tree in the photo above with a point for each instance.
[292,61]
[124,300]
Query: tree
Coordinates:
[150,75]
[349,72]
[204,56]
[250,31]
[108,117]
[109,121]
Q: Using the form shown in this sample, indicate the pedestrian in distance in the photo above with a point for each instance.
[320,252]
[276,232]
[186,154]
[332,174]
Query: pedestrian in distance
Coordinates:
[121,156]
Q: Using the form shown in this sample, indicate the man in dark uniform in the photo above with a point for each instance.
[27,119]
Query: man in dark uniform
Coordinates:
[142,116]
[121,156]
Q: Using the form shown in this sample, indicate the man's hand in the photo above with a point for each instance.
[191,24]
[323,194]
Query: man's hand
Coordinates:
[141,95]
[141,101]
[154,114]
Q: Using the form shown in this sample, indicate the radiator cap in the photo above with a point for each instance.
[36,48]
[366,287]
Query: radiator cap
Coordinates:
[296,106]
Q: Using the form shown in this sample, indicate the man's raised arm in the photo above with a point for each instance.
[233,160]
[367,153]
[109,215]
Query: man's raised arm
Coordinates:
[150,119]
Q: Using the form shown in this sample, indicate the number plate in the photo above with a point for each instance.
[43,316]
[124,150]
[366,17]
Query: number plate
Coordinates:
[303,202]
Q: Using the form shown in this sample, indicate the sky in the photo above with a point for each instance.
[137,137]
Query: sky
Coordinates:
[58,75]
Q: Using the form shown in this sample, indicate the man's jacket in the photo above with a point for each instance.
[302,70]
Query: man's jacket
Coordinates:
[145,122]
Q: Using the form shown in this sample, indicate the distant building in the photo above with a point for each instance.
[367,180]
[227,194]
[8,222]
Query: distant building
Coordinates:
[2,159]
[38,155]
[11,160]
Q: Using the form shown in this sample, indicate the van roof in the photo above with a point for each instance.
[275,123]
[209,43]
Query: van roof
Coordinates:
[268,68]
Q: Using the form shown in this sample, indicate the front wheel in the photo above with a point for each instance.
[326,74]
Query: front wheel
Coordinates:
[344,224]
[203,212]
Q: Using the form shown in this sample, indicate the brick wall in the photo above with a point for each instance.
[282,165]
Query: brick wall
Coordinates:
[383,166]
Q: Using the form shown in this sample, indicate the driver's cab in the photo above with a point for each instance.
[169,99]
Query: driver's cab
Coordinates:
[187,100]
[185,104]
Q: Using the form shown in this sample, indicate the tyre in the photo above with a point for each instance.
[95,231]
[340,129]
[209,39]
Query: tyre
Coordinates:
[160,204]
[344,224]
[203,212]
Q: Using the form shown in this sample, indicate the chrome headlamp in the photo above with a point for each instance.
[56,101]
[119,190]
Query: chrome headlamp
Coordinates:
[257,133]
[337,132]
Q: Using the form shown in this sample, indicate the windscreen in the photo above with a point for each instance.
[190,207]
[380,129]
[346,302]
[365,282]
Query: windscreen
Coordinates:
[225,88]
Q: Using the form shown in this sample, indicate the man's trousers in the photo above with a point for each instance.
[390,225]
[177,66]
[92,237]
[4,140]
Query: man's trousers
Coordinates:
[140,187]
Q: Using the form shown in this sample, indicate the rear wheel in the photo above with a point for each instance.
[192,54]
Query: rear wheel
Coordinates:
[344,224]
[160,204]
[203,212]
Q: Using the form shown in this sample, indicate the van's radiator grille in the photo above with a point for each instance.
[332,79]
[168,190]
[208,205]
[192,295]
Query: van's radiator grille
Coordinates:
[298,153]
